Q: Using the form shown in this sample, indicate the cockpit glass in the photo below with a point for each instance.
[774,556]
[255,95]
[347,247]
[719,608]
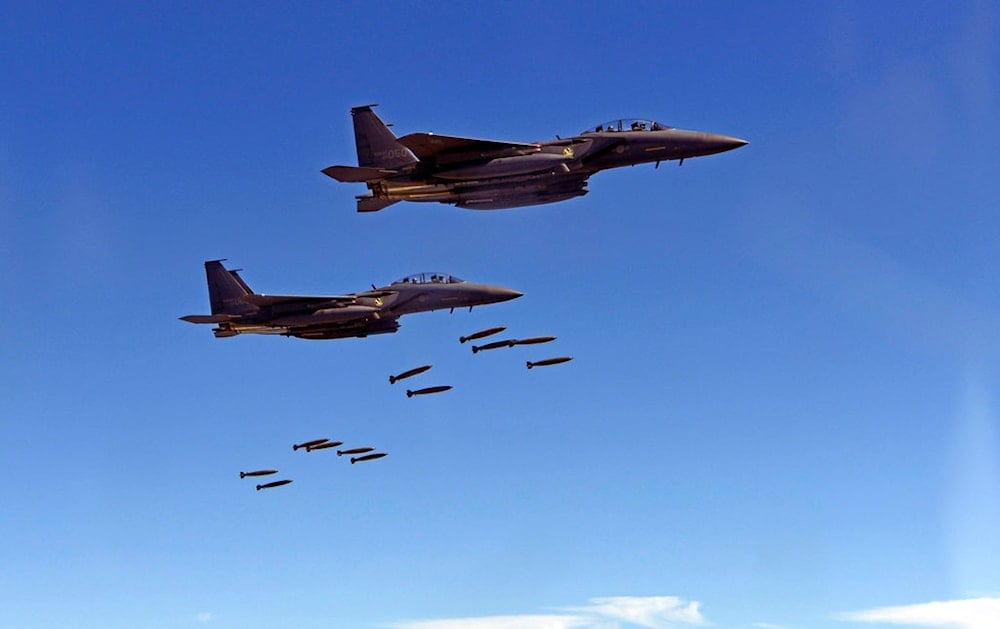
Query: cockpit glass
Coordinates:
[429,278]
[627,124]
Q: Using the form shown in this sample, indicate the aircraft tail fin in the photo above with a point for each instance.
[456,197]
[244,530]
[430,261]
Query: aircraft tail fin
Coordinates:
[376,144]
[226,289]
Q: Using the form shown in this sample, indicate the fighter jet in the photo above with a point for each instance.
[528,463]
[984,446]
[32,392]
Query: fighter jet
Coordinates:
[238,310]
[480,174]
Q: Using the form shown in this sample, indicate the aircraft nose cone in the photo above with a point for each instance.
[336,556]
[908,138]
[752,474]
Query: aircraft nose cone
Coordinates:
[506,294]
[715,143]
[496,294]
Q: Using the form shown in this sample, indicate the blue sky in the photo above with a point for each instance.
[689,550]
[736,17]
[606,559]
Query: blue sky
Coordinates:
[782,410]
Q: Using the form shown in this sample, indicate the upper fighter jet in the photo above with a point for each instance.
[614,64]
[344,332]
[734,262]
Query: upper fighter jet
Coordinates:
[490,174]
[238,310]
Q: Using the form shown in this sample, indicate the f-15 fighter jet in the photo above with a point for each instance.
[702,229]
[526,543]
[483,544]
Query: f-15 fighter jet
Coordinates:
[480,174]
[238,310]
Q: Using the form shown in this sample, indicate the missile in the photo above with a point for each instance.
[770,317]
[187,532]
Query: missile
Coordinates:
[426,391]
[354,451]
[277,483]
[308,444]
[409,373]
[367,457]
[324,445]
[549,361]
[493,345]
[258,473]
[535,340]
[480,334]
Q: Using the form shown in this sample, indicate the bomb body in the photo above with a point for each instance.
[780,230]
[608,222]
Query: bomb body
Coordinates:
[482,334]
[427,390]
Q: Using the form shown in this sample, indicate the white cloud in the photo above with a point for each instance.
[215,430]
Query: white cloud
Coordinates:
[543,621]
[652,612]
[767,625]
[971,613]
[645,611]
[204,616]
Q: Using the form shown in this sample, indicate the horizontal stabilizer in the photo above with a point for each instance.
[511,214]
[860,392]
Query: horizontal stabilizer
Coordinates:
[216,318]
[357,174]
[374,204]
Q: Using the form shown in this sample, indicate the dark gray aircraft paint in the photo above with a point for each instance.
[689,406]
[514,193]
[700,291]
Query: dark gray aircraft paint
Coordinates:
[480,174]
[238,310]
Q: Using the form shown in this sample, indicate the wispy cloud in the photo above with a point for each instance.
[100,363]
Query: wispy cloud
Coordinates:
[971,613]
[543,621]
[767,625]
[652,612]
[646,611]
[204,617]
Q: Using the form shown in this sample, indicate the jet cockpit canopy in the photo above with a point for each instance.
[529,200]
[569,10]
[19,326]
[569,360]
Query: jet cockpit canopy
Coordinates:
[429,278]
[627,124]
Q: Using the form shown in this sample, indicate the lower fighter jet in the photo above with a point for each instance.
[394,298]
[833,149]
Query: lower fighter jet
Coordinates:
[238,310]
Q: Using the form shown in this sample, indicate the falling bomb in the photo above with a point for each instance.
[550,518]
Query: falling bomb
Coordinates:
[368,457]
[549,361]
[481,334]
[534,340]
[409,373]
[258,473]
[324,445]
[494,345]
[277,483]
[354,451]
[427,391]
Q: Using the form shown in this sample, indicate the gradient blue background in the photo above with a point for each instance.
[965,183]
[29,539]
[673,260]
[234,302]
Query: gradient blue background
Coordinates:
[782,402]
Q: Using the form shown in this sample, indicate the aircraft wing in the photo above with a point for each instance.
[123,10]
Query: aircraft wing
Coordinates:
[431,146]
[377,292]
[357,174]
[304,301]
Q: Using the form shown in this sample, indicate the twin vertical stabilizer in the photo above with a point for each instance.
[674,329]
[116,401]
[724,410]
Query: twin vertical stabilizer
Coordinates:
[376,144]
[226,289]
